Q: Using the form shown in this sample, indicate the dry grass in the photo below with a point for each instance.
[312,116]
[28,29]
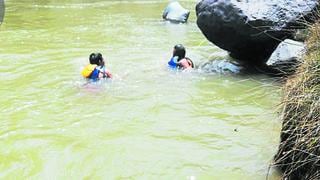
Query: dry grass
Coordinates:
[298,156]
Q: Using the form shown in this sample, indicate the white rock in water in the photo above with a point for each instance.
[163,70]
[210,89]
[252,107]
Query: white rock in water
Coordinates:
[287,52]
[176,13]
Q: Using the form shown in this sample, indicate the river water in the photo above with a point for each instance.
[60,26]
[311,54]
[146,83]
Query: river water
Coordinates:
[148,122]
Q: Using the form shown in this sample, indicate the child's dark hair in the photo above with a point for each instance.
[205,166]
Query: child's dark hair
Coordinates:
[179,51]
[95,58]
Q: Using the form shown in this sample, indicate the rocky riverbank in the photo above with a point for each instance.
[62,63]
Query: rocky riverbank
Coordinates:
[298,156]
[251,31]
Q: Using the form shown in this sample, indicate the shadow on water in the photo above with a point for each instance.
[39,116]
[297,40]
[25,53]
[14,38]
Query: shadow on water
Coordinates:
[2,11]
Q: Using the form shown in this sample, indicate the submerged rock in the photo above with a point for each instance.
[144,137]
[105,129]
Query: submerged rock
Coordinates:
[174,12]
[251,30]
[287,56]
[220,67]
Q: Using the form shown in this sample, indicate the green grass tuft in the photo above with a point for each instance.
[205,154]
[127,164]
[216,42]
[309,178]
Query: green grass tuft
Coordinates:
[298,156]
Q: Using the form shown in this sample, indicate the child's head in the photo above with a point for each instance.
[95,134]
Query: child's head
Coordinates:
[179,51]
[96,58]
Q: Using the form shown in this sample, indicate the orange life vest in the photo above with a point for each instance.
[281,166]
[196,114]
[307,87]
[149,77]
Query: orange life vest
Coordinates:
[87,70]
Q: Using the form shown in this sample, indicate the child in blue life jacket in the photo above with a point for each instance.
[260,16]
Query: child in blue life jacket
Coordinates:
[178,60]
[96,69]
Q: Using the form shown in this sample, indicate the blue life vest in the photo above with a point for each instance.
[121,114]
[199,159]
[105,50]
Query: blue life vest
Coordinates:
[95,74]
[173,62]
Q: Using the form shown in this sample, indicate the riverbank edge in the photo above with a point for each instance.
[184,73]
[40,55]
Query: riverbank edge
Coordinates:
[298,156]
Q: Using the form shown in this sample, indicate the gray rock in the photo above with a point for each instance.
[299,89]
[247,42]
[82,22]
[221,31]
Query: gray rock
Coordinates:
[301,34]
[287,56]
[220,67]
[174,12]
[251,29]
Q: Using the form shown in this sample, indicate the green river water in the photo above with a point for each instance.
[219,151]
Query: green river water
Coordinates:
[148,122]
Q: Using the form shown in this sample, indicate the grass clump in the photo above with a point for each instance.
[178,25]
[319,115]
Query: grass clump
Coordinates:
[298,156]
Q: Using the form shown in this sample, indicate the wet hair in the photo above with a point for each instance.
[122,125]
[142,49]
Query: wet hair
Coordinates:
[95,58]
[179,51]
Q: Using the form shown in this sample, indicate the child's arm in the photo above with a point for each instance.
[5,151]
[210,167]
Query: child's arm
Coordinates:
[108,74]
[104,73]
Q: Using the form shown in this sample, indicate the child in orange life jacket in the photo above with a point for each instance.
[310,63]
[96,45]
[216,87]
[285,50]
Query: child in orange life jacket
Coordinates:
[179,60]
[96,69]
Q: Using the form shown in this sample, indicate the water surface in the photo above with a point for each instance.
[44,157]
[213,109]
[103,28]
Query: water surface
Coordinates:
[148,122]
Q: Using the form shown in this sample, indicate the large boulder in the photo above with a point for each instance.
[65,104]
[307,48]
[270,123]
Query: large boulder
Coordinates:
[174,12]
[251,29]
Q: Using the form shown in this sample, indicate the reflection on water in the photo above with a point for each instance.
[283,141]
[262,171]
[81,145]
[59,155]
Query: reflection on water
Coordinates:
[148,122]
